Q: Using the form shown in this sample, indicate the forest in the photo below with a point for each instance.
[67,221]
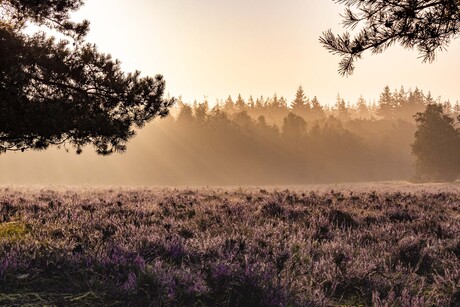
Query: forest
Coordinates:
[275,141]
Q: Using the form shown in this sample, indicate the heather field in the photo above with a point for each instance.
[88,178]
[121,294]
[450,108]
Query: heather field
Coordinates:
[394,244]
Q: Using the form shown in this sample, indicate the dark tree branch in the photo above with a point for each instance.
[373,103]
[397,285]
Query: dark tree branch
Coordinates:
[427,25]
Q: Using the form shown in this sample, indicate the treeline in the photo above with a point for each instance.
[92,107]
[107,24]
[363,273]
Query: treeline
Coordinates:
[392,105]
[271,141]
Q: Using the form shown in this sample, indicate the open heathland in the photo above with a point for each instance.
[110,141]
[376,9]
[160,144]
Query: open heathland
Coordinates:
[381,245]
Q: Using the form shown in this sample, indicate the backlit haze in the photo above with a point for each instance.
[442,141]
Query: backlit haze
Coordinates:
[259,47]
[211,49]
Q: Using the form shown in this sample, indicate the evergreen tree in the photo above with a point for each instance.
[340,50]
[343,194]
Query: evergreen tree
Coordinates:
[251,103]
[447,107]
[317,110]
[300,105]
[283,103]
[185,115]
[341,109]
[260,103]
[229,105]
[55,92]
[265,130]
[415,104]
[244,121]
[240,104]
[456,109]
[274,103]
[200,111]
[387,105]
[294,126]
[362,108]
[436,145]
[400,101]
[429,99]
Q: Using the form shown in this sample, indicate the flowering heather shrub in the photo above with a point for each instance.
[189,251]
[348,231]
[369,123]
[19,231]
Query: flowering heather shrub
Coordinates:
[230,247]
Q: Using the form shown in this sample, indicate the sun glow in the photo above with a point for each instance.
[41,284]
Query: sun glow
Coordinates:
[210,49]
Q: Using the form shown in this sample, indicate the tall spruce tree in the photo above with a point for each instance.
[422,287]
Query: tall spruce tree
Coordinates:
[239,103]
[387,104]
[300,105]
[229,105]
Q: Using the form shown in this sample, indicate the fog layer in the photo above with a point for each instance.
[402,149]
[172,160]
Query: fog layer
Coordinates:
[258,141]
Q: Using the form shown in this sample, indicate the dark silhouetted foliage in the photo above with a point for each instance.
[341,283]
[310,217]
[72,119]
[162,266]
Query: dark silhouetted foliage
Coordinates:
[428,25]
[57,92]
[436,145]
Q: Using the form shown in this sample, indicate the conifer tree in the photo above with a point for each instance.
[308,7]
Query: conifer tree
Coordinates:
[362,108]
[294,126]
[66,92]
[436,145]
[387,105]
[260,103]
[300,105]
[283,103]
[341,109]
[229,105]
[415,103]
[240,104]
[274,103]
[456,109]
[251,103]
[317,110]
[200,111]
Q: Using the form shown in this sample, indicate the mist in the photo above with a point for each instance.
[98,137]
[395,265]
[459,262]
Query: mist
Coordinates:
[253,141]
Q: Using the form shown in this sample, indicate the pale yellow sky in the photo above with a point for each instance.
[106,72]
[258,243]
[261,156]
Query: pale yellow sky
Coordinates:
[218,48]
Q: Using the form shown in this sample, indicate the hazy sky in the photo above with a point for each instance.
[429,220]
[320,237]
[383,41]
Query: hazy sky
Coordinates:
[218,48]
[215,48]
